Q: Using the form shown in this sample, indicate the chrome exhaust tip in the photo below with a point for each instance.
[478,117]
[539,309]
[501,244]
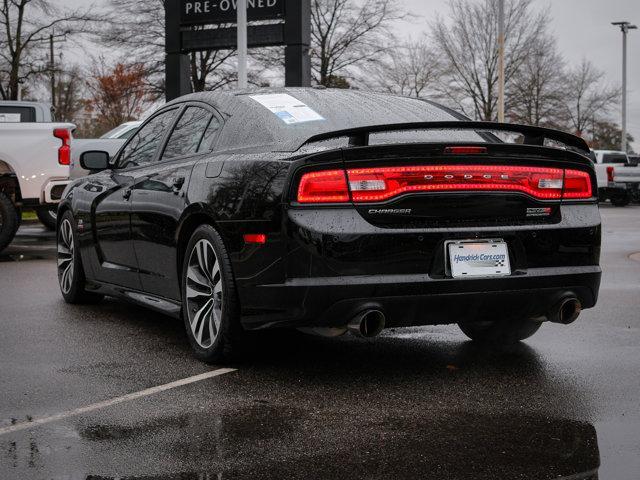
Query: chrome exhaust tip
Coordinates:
[568,310]
[368,323]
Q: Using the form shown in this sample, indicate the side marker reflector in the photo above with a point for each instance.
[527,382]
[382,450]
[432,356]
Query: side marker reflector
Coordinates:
[259,238]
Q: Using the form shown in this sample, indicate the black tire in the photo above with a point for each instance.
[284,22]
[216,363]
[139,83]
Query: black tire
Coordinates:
[502,332]
[71,277]
[620,200]
[9,220]
[214,332]
[48,216]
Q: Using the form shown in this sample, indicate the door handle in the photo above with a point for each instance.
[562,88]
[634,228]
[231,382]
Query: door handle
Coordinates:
[176,184]
[126,193]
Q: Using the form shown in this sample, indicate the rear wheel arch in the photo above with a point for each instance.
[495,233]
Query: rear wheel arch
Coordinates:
[62,209]
[185,231]
[9,183]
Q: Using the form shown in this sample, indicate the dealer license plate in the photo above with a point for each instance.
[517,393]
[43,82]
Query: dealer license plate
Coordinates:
[473,258]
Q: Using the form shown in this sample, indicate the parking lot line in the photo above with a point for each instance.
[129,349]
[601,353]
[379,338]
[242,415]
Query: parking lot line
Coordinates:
[114,401]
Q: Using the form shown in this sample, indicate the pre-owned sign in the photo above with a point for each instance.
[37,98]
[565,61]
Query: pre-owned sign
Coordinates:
[199,12]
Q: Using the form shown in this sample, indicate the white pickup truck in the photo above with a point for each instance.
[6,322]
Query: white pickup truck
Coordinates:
[618,179]
[35,153]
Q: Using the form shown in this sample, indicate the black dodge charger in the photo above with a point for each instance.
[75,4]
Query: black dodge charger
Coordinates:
[334,211]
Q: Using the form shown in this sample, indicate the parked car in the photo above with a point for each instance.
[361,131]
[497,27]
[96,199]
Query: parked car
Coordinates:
[123,132]
[34,164]
[334,211]
[618,179]
[109,142]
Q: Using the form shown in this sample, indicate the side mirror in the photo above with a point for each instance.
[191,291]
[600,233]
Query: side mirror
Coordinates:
[94,160]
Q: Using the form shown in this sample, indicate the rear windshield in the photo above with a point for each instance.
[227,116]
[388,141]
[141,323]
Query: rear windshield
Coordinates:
[614,158]
[17,114]
[287,120]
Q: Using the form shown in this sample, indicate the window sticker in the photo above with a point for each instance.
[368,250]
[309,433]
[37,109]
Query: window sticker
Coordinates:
[9,117]
[287,108]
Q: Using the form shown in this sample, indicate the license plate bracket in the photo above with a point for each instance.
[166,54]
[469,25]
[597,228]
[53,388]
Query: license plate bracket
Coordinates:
[477,258]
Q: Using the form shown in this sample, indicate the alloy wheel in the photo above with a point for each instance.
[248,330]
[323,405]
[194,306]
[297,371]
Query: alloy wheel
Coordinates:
[65,256]
[204,293]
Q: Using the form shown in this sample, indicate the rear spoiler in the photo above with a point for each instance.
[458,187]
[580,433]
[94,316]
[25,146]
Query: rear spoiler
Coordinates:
[359,136]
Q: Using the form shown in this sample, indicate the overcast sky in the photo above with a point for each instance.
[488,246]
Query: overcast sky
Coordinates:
[582,28]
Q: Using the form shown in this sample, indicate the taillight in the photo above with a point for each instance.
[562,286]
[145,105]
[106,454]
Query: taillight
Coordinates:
[329,186]
[378,184]
[577,184]
[366,185]
[64,152]
[609,174]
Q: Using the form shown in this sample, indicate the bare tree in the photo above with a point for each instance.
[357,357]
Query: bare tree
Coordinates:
[411,69]
[138,27]
[605,135]
[348,33]
[537,88]
[70,98]
[586,96]
[468,45]
[24,29]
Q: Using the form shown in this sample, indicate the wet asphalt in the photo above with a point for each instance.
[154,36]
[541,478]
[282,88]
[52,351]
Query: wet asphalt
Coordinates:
[413,403]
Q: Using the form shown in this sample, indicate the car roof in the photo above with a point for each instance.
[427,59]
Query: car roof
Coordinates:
[250,124]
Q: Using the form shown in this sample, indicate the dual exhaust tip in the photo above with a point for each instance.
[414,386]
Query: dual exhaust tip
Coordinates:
[370,323]
[367,324]
[567,311]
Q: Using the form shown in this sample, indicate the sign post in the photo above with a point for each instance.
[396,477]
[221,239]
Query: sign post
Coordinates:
[177,78]
[197,25]
[242,44]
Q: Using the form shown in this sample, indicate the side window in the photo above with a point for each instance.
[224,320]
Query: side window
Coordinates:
[143,145]
[190,133]
[210,134]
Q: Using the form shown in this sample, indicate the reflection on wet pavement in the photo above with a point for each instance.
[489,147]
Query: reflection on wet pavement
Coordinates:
[347,413]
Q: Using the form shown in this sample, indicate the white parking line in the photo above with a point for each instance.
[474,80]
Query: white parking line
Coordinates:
[114,401]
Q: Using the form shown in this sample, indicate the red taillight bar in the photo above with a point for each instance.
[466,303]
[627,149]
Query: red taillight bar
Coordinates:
[328,186]
[577,184]
[366,185]
[64,152]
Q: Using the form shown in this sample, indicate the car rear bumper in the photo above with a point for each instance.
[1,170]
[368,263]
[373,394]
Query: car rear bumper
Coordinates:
[417,299]
[330,264]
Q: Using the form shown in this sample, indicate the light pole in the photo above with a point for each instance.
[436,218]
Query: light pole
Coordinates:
[501,60]
[52,39]
[624,28]
[242,44]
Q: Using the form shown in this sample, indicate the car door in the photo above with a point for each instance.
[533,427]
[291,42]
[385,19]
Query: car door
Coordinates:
[111,210]
[159,201]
